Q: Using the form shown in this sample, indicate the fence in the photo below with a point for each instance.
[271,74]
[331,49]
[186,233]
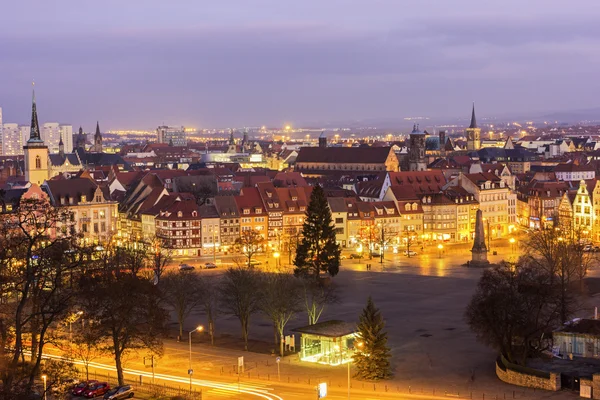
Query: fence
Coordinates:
[262,372]
[158,391]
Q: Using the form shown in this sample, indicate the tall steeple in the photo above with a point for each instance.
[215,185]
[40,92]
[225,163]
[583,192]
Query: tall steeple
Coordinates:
[473,133]
[97,148]
[34,136]
[473,120]
[61,147]
[35,152]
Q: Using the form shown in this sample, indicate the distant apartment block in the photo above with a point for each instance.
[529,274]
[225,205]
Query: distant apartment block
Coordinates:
[174,135]
[51,135]
[1,134]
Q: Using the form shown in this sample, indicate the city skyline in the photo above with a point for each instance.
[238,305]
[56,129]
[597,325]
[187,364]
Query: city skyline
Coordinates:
[265,63]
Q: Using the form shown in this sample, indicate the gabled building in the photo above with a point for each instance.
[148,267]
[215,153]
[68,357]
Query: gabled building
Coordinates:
[179,228]
[94,213]
[229,218]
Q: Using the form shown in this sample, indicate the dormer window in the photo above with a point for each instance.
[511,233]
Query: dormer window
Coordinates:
[292,208]
[258,210]
[179,214]
[269,194]
[70,200]
[294,198]
[83,198]
[407,207]
[415,205]
[62,200]
[276,205]
[302,208]
[194,213]
[246,211]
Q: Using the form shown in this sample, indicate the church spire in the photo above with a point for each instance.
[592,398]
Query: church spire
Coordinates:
[34,136]
[473,120]
[61,147]
[98,134]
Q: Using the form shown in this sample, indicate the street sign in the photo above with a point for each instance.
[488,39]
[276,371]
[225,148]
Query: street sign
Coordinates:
[322,390]
[190,371]
[278,360]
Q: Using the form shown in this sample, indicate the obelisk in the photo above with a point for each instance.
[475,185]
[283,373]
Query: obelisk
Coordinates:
[479,250]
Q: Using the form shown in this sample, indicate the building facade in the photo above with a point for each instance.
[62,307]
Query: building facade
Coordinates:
[173,135]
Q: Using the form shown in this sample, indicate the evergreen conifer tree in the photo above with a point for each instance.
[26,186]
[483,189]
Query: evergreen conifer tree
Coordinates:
[318,250]
[372,355]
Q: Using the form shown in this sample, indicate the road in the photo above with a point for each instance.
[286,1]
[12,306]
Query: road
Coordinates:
[225,388]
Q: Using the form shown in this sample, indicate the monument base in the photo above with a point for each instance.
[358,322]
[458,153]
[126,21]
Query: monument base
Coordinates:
[478,264]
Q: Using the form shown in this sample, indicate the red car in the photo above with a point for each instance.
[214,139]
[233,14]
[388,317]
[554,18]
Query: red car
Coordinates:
[97,389]
[82,387]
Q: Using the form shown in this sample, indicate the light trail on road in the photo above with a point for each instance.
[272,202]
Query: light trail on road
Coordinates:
[257,391]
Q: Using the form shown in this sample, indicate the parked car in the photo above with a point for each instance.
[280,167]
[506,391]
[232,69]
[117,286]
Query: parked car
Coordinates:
[254,262]
[185,267]
[97,389]
[210,265]
[410,253]
[120,392]
[355,256]
[588,247]
[375,254]
[343,257]
[81,387]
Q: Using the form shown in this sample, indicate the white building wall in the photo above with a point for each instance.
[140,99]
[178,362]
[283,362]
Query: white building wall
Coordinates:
[25,133]
[51,136]
[66,131]
[12,144]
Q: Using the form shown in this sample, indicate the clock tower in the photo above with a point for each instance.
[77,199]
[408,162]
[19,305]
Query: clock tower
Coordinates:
[36,152]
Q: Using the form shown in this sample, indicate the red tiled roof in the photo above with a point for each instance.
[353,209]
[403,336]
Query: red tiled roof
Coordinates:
[344,155]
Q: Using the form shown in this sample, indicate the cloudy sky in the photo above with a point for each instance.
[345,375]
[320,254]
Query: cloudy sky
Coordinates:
[220,63]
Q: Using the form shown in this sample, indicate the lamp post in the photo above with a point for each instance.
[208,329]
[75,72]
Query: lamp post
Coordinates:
[214,245]
[276,255]
[198,329]
[440,248]
[381,250]
[44,378]
[512,244]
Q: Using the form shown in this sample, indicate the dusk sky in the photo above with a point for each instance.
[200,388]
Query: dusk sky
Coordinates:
[209,63]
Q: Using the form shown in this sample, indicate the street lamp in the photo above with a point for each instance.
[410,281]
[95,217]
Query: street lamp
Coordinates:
[44,378]
[512,244]
[276,255]
[200,328]
[440,248]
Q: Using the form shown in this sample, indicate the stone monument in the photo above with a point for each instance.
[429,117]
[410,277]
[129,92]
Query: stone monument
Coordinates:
[479,250]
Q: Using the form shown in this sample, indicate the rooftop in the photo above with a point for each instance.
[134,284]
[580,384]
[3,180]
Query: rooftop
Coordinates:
[333,328]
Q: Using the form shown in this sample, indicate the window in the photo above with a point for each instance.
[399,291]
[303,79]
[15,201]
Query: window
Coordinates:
[102,214]
[103,226]
[339,220]
[38,162]
[246,211]
[98,199]
[95,214]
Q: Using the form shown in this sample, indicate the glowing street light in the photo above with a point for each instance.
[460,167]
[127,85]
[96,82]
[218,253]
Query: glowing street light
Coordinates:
[44,378]
[200,328]
[440,248]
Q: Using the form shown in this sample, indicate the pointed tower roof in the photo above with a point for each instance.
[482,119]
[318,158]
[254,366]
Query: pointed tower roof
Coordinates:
[60,142]
[473,119]
[97,130]
[80,130]
[34,136]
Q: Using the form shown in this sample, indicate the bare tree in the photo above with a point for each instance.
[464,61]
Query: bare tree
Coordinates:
[408,238]
[249,244]
[239,296]
[209,294]
[182,290]
[161,256]
[317,296]
[87,347]
[281,299]
[38,260]
[127,311]
[513,306]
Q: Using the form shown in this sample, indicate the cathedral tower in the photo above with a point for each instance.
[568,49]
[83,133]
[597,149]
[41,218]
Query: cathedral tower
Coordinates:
[97,147]
[416,150]
[35,151]
[473,134]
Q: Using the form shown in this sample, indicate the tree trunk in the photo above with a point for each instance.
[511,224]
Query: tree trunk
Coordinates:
[87,371]
[119,367]
[275,334]
[245,332]
[211,330]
